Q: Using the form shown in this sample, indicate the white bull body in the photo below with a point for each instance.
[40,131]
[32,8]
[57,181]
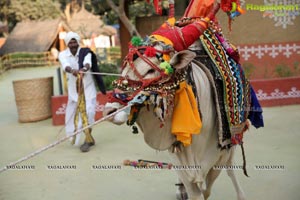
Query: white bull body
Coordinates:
[203,153]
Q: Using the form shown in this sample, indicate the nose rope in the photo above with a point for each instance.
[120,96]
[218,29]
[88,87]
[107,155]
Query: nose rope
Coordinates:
[129,60]
[102,73]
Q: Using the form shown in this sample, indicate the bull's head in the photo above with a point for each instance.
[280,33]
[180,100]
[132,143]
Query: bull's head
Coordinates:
[151,71]
[151,68]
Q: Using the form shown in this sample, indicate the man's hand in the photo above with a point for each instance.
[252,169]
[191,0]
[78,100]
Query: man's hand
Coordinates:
[84,69]
[74,72]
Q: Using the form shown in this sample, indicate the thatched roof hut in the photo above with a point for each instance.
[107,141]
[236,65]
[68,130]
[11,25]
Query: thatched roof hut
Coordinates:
[34,36]
[40,36]
[86,24]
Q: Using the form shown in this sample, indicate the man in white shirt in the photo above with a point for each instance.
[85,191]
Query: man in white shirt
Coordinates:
[69,62]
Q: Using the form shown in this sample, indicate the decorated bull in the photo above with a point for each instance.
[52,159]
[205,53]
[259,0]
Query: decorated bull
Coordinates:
[188,94]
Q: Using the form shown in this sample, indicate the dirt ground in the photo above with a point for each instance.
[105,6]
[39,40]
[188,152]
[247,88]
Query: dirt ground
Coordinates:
[276,146]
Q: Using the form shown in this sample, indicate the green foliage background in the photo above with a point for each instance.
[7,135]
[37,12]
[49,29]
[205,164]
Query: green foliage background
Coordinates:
[109,68]
[14,11]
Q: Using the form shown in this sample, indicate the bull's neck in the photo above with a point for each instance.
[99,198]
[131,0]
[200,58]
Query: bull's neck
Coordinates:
[156,136]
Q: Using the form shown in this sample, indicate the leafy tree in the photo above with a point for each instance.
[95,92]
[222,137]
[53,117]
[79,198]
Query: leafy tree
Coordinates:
[139,8]
[14,11]
[120,11]
[97,7]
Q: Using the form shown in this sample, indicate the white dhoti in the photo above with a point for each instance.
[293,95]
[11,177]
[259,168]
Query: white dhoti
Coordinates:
[70,114]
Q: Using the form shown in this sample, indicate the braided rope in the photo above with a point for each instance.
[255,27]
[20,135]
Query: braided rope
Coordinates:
[103,73]
[37,152]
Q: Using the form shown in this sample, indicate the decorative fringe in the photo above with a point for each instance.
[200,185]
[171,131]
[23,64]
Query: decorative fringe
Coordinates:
[177,147]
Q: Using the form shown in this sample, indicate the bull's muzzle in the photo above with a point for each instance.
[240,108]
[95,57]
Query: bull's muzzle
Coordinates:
[119,118]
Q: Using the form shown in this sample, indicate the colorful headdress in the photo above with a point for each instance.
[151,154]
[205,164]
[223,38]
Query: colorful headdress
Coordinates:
[182,37]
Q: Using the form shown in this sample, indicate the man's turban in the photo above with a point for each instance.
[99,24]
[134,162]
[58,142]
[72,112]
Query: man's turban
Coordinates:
[71,35]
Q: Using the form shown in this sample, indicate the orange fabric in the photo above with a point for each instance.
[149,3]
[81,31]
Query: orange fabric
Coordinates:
[186,119]
[199,8]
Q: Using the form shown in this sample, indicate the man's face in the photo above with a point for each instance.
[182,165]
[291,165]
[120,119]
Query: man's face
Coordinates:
[73,46]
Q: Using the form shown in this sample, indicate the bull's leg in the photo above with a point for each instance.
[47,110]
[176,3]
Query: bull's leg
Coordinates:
[210,179]
[237,187]
[181,193]
[193,191]
[231,174]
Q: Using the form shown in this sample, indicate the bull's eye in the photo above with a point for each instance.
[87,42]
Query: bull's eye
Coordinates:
[150,71]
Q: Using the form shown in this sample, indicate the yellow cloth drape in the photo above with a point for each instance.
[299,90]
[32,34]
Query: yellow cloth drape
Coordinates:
[186,119]
[81,111]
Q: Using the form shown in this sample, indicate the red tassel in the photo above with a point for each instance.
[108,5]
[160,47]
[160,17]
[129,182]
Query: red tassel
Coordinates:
[150,52]
[171,10]
[226,5]
[157,6]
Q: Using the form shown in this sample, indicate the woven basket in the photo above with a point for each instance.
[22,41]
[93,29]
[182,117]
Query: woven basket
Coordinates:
[33,98]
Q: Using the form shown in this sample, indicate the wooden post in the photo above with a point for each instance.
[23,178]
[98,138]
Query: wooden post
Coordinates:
[125,36]
[62,46]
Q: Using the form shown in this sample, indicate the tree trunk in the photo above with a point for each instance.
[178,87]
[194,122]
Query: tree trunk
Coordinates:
[120,11]
[67,12]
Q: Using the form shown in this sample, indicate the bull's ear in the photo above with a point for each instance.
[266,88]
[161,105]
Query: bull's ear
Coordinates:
[182,59]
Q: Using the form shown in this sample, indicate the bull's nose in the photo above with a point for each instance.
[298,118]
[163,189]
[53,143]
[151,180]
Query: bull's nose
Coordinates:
[109,111]
[110,108]
[119,118]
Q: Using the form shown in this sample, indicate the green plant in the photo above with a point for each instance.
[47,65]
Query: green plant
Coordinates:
[116,49]
[109,68]
[20,55]
[297,67]
[283,71]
